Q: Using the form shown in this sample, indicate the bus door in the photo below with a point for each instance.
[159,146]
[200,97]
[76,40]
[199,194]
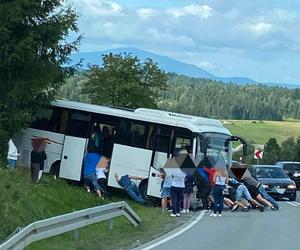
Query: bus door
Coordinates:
[75,144]
[160,156]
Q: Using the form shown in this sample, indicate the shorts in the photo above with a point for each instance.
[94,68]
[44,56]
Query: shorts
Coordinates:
[166,192]
[242,191]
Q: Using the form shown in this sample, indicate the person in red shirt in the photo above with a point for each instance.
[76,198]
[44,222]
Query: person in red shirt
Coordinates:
[211,172]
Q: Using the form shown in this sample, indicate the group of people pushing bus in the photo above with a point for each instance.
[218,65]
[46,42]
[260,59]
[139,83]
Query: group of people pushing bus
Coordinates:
[210,180]
[214,187]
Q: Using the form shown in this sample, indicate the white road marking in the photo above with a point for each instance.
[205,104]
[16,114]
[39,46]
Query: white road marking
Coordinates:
[295,205]
[177,233]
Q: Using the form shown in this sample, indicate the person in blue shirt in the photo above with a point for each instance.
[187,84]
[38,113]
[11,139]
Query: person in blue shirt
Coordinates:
[130,187]
[90,162]
[165,190]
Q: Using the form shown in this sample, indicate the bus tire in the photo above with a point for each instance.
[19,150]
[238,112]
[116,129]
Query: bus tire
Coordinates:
[149,199]
[55,169]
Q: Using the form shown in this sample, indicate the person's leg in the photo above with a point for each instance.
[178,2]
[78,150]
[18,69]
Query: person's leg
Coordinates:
[221,201]
[216,199]
[35,168]
[164,203]
[264,201]
[265,195]
[94,182]
[189,199]
[174,199]
[178,201]
[185,200]
[134,193]
[11,164]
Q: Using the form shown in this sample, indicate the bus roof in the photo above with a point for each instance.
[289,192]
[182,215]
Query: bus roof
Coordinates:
[193,123]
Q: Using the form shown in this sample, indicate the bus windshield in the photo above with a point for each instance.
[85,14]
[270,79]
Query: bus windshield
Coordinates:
[215,146]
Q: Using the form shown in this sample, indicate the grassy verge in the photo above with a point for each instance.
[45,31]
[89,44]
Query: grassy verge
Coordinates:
[22,203]
[261,131]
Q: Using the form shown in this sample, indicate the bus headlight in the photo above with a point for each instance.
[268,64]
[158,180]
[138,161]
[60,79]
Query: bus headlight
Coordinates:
[292,186]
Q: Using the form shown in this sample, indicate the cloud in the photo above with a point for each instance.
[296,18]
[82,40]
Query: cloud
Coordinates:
[260,28]
[206,65]
[208,35]
[145,13]
[98,8]
[202,11]
[168,38]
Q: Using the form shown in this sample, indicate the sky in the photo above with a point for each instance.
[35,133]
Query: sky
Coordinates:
[259,39]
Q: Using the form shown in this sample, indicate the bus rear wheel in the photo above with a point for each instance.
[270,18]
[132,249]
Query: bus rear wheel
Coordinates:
[54,171]
[149,199]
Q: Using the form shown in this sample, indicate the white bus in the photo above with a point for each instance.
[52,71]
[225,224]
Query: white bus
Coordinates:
[139,141]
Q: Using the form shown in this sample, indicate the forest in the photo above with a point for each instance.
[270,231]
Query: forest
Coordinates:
[203,97]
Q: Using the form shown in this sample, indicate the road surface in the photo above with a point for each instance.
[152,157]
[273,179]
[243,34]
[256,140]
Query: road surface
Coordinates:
[252,230]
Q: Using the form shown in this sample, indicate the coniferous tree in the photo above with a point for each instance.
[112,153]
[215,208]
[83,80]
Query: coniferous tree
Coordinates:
[34,52]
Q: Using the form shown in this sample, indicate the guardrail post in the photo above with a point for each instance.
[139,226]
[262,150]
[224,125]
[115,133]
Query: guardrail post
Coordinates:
[75,234]
[110,224]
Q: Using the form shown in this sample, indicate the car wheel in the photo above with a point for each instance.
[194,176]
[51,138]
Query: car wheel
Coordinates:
[292,199]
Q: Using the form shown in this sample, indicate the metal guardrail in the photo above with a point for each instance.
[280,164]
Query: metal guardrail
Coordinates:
[68,222]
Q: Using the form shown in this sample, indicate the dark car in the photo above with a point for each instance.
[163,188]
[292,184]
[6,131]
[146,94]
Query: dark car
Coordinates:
[275,181]
[292,169]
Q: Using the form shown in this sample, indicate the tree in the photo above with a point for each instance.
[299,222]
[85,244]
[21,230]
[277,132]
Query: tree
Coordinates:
[34,52]
[124,81]
[297,150]
[287,152]
[271,152]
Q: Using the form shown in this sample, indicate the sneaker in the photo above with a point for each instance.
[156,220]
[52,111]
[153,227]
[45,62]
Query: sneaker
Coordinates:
[177,215]
[219,215]
[213,215]
[183,211]
[173,215]
[235,207]
[187,211]
[274,208]
[261,208]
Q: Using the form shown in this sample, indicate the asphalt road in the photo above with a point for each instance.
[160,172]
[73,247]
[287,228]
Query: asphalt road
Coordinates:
[243,231]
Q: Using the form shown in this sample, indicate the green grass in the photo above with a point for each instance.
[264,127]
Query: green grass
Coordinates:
[22,203]
[261,131]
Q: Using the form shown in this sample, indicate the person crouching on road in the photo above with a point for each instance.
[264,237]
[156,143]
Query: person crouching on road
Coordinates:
[89,172]
[220,179]
[130,187]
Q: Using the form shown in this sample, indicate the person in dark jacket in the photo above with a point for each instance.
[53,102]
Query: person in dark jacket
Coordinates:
[203,186]
[187,193]
[38,156]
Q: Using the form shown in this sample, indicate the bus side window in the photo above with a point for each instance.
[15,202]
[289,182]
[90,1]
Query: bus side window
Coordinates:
[51,119]
[132,133]
[78,125]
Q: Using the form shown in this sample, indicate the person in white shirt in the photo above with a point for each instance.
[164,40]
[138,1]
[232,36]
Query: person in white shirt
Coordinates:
[177,188]
[12,155]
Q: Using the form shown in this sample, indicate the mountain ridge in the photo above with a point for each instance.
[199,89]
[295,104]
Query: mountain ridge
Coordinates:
[166,63]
